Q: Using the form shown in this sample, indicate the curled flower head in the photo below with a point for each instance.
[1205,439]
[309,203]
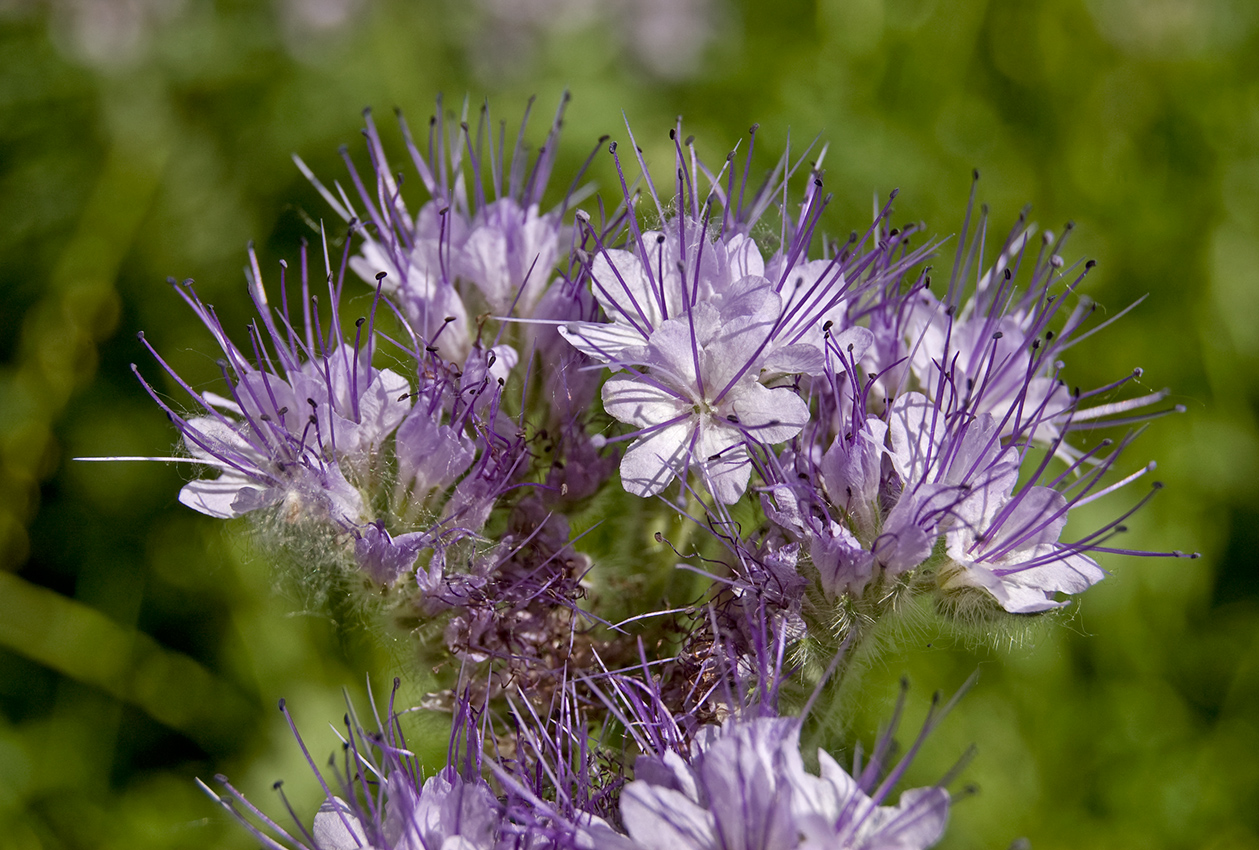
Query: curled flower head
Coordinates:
[896,444]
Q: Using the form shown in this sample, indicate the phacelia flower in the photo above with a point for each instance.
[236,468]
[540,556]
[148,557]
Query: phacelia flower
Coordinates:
[745,786]
[930,450]
[706,347]
[379,799]
[483,226]
[303,425]
[386,464]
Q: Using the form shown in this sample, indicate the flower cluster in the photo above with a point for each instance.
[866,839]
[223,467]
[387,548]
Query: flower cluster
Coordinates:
[822,434]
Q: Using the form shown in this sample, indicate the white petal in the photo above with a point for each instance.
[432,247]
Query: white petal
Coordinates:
[624,290]
[216,497]
[916,822]
[606,342]
[727,474]
[634,401]
[652,461]
[798,359]
[770,416]
[336,828]
[664,819]
[916,429]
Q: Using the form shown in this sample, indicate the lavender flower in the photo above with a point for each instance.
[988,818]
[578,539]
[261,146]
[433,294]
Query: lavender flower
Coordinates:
[500,243]
[379,798]
[344,454]
[924,469]
[710,338]
[745,786]
[303,425]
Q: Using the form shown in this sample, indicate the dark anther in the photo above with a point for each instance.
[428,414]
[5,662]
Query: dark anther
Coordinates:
[1008,274]
[975,174]
[659,238]
[828,325]
[690,140]
[1090,264]
[998,335]
[381,276]
[360,321]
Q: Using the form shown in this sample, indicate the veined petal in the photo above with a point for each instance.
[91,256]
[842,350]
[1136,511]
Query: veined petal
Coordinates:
[634,401]
[606,342]
[663,819]
[770,415]
[337,828]
[623,289]
[654,459]
[217,497]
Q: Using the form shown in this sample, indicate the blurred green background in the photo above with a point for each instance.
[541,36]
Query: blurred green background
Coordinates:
[141,646]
